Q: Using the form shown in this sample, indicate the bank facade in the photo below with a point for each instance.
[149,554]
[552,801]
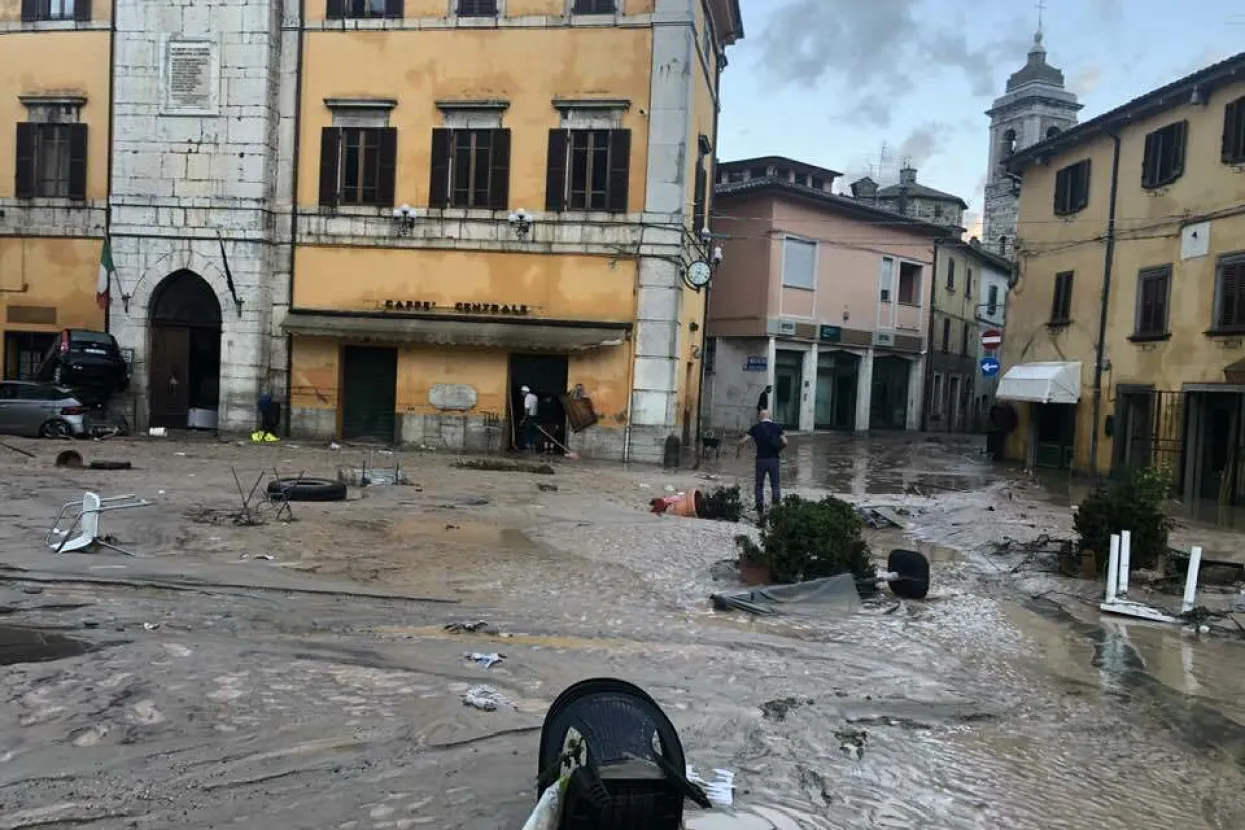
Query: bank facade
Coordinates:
[390,216]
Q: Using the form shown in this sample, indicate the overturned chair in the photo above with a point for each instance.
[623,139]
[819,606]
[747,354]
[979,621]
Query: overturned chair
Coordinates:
[610,759]
[83,532]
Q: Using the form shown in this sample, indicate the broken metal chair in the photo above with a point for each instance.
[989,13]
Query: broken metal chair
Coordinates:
[84,532]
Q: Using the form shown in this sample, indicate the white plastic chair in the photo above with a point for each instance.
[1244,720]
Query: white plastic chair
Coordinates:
[86,523]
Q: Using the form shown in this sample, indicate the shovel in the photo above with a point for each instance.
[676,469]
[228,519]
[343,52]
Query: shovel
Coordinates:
[574,456]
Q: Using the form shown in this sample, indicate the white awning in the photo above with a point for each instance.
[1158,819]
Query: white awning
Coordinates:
[1041,383]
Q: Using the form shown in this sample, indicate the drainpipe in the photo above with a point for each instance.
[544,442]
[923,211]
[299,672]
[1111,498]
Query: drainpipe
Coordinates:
[295,178]
[704,324]
[929,340]
[1108,262]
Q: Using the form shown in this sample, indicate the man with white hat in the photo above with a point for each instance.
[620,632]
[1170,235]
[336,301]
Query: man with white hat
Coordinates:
[531,408]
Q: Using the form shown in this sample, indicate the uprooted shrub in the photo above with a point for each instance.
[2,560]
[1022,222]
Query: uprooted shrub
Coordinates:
[802,540]
[1133,502]
[723,504]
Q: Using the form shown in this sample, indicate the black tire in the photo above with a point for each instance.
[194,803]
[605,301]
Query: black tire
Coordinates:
[306,489]
[56,428]
[913,574]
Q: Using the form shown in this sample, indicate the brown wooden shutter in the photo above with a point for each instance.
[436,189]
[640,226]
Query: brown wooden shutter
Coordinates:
[1182,131]
[439,181]
[1086,169]
[620,170]
[82,10]
[335,10]
[387,176]
[555,175]
[77,160]
[1149,160]
[1230,294]
[330,158]
[1230,114]
[394,8]
[24,181]
[499,176]
[698,200]
[30,11]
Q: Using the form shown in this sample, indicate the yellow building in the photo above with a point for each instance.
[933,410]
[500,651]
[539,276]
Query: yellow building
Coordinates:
[1126,327]
[505,197]
[54,134]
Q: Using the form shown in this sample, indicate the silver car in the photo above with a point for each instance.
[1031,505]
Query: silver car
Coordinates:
[40,410]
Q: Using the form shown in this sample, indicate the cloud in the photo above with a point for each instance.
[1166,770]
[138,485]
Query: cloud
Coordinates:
[879,50]
[1085,81]
[923,143]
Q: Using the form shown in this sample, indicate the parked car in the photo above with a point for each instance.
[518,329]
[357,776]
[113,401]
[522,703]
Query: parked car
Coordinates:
[41,410]
[88,362]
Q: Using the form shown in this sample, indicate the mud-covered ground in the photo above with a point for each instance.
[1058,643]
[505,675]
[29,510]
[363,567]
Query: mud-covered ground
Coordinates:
[299,675]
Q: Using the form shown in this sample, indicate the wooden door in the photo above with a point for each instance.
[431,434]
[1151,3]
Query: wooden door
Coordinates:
[370,392]
[168,391]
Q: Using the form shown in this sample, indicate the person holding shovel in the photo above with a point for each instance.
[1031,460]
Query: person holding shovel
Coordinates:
[770,442]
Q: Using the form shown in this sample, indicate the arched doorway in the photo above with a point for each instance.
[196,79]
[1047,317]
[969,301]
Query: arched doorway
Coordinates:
[183,357]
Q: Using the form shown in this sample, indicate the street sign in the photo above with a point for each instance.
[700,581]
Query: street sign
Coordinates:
[756,363]
[989,366]
[991,339]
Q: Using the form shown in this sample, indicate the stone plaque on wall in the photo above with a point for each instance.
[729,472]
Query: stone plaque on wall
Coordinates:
[454,397]
[190,78]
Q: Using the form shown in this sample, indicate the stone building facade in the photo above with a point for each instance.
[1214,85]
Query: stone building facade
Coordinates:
[1036,106]
[910,198]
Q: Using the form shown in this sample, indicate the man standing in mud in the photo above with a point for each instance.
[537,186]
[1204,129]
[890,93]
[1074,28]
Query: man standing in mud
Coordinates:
[770,442]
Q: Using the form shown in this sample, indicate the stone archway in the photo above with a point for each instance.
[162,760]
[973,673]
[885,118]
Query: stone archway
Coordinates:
[183,365]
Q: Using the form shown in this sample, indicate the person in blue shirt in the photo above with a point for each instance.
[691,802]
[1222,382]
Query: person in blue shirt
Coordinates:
[770,442]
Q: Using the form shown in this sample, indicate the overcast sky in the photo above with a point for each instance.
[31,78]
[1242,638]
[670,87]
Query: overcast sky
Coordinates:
[838,83]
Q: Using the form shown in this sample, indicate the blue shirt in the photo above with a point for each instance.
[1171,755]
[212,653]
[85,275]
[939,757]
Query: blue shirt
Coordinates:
[768,438]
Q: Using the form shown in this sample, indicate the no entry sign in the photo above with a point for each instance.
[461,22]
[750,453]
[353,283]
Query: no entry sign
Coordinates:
[991,339]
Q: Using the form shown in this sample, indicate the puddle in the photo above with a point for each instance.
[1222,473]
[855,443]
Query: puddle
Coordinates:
[31,645]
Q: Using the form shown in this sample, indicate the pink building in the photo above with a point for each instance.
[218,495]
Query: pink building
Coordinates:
[824,297]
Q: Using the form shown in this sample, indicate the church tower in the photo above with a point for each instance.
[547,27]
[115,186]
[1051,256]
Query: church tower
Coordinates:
[1036,106]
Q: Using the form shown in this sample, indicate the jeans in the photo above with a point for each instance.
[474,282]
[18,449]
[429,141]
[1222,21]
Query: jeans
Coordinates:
[527,434]
[767,467]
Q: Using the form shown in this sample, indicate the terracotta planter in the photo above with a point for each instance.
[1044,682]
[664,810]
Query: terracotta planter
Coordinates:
[753,573]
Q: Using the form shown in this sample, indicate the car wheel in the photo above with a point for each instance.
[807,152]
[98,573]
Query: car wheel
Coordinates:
[55,429]
[306,489]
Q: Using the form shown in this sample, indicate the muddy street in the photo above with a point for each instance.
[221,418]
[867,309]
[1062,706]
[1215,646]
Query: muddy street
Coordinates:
[301,674]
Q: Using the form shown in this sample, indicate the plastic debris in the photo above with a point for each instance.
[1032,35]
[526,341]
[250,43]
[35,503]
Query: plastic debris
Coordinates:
[485,698]
[470,627]
[485,660]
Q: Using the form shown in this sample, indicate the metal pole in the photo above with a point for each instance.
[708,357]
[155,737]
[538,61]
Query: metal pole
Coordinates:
[929,340]
[1108,262]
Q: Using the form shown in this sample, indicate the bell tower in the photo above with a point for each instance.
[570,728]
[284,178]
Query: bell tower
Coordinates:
[1035,106]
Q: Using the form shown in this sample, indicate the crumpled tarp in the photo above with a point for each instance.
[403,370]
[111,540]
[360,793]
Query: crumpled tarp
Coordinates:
[814,597]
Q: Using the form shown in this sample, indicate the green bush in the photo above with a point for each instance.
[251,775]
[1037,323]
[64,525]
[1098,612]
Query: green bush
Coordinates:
[723,504]
[802,540]
[1133,503]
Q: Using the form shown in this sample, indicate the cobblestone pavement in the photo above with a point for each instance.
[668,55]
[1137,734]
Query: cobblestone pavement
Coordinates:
[319,688]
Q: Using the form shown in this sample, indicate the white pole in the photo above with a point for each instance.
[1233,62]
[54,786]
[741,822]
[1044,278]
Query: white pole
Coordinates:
[1126,555]
[1113,568]
[1190,580]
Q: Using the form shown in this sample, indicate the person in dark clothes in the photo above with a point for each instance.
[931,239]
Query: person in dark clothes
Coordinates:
[770,442]
[763,401]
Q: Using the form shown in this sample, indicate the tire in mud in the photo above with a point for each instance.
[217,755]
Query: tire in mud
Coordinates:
[306,489]
[913,574]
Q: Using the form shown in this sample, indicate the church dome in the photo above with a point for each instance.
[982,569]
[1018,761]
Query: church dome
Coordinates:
[1036,69]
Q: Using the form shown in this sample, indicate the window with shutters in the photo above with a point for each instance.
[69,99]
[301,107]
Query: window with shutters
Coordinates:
[594,7]
[964,339]
[477,8]
[1153,289]
[1061,302]
[946,334]
[950,274]
[1234,132]
[470,169]
[354,9]
[1230,294]
[588,170]
[51,161]
[46,10]
[1072,188]
[968,283]
[357,166]
[1164,155]
[992,300]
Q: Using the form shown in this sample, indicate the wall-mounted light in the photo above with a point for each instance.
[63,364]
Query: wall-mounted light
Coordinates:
[404,218]
[521,221]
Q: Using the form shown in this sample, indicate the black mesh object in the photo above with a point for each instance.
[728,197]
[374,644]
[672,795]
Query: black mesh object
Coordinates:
[633,763]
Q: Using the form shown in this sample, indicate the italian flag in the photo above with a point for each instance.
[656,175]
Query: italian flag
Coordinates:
[106,269]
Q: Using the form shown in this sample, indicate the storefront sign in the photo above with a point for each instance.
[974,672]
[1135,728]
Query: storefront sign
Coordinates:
[756,363]
[458,308]
[829,334]
[456,397]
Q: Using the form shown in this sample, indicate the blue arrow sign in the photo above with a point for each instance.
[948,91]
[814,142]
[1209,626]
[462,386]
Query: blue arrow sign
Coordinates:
[989,366]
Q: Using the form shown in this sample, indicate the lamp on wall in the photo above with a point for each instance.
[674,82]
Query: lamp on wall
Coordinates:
[521,222]
[404,218]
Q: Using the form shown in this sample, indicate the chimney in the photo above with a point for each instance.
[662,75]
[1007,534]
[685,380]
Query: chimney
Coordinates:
[866,190]
[907,175]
